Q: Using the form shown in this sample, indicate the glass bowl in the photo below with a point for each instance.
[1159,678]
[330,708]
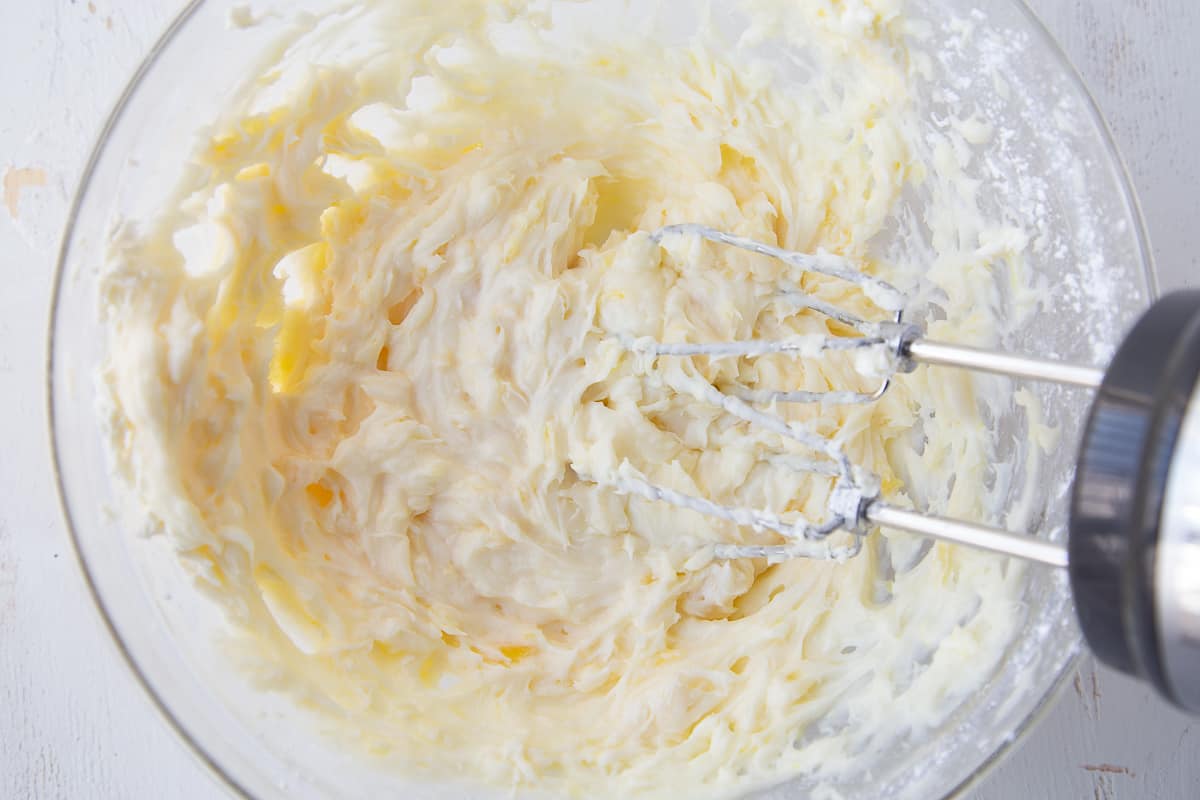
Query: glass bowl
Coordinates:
[1053,169]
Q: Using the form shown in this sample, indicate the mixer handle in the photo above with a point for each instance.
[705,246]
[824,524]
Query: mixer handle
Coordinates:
[1134,535]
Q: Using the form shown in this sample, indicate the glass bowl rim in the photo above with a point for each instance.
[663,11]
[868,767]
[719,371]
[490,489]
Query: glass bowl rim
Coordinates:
[217,770]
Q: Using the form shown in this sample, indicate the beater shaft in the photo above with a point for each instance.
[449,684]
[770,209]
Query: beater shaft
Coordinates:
[984,537]
[923,351]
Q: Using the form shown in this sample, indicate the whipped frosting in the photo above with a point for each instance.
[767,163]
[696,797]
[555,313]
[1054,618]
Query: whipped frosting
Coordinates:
[367,373]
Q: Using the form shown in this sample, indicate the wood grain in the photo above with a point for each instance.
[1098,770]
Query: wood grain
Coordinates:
[1141,60]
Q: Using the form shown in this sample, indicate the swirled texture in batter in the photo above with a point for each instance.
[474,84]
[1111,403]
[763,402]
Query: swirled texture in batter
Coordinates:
[364,362]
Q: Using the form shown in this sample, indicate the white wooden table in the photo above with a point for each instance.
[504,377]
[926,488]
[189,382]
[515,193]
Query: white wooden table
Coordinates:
[74,724]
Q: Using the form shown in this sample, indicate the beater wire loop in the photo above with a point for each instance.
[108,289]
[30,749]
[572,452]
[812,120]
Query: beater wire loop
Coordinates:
[854,504]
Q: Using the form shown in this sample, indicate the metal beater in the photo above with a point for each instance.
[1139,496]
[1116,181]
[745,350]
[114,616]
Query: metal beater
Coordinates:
[1133,544]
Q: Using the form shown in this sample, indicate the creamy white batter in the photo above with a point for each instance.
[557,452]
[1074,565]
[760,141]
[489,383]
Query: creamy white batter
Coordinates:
[356,372]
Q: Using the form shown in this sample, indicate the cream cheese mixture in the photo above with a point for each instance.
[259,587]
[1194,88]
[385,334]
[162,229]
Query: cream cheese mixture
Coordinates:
[357,370]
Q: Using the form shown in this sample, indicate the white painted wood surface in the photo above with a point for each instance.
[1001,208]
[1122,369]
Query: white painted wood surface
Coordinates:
[73,723]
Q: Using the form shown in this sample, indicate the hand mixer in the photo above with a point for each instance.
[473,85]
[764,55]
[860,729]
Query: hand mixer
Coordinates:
[1133,543]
